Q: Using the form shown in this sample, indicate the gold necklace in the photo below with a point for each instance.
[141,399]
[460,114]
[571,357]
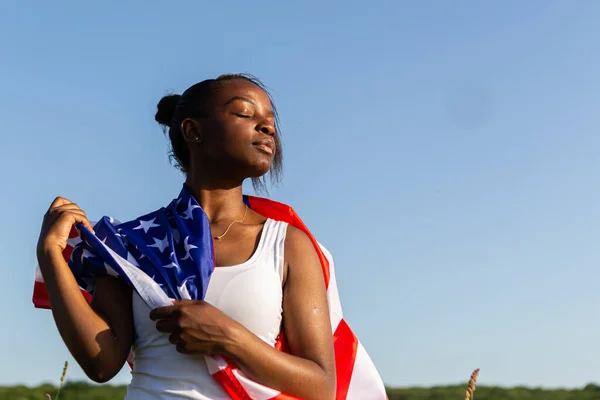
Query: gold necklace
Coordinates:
[227,230]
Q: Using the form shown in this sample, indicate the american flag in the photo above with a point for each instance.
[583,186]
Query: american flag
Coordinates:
[169,254]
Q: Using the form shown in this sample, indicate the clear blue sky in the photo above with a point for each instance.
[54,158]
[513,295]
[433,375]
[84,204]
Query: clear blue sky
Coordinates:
[446,152]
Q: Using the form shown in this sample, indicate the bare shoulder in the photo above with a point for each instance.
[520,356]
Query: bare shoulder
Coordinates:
[296,240]
[301,258]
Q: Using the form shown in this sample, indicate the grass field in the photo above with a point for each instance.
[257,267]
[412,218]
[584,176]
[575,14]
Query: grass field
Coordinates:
[85,391]
[466,391]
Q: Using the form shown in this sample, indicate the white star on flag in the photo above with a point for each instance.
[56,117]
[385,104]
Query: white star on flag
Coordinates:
[147,225]
[172,265]
[141,254]
[86,254]
[160,244]
[190,209]
[188,247]
[183,290]
[113,221]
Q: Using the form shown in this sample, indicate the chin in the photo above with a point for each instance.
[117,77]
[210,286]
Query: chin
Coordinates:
[258,174]
[258,170]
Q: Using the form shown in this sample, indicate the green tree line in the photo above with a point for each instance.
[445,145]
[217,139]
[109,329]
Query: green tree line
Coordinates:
[86,391]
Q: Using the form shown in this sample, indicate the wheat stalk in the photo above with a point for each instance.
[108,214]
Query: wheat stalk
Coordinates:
[471,385]
[62,379]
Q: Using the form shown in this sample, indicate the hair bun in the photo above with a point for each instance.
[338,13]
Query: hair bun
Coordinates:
[166,109]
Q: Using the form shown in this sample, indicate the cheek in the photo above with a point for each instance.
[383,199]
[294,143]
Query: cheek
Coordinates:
[218,143]
[238,138]
[212,149]
[229,147]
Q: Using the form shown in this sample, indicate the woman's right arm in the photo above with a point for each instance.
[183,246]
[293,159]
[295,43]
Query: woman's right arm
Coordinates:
[98,335]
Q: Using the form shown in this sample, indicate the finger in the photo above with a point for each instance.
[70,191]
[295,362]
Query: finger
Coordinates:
[67,206]
[175,338]
[70,209]
[181,348]
[167,326]
[164,312]
[80,218]
[184,302]
[61,211]
[59,201]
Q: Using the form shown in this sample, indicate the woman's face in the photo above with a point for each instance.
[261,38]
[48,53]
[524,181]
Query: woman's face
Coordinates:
[237,141]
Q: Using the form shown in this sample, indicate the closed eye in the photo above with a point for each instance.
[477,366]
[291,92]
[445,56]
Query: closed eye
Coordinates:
[243,115]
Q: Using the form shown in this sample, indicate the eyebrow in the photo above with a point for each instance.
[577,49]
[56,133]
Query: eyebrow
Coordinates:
[234,98]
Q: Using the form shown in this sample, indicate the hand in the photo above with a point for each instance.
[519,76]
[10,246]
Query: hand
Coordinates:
[57,225]
[195,327]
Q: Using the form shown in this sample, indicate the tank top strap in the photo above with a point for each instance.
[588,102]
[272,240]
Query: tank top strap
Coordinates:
[273,237]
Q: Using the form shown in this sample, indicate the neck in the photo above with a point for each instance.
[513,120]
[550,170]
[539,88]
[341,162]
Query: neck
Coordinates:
[219,200]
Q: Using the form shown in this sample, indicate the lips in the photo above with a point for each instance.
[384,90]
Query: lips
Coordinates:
[266,145]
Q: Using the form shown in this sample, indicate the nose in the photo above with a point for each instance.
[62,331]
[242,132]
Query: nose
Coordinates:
[266,127]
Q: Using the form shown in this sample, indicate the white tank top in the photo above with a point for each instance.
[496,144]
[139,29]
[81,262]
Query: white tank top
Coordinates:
[250,293]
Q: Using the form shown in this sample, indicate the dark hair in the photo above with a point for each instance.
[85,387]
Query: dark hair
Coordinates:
[194,103]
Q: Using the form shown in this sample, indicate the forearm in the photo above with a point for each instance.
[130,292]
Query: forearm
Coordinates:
[278,370]
[88,336]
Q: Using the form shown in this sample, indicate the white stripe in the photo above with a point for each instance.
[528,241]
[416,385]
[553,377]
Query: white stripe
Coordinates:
[255,390]
[38,274]
[333,297]
[73,241]
[365,384]
[215,364]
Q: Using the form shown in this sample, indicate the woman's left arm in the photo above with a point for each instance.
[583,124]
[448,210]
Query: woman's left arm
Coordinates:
[309,371]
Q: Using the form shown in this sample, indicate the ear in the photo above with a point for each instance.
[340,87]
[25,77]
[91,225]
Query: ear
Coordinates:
[191,131]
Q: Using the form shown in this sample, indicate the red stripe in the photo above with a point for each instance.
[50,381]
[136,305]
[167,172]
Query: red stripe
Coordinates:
[69,249]
[281,343]
[67,253]
[345,342]
[232,386]
[130,359]
[40,295]
[281,212]
[345,345]
[73,233]
[283,396]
